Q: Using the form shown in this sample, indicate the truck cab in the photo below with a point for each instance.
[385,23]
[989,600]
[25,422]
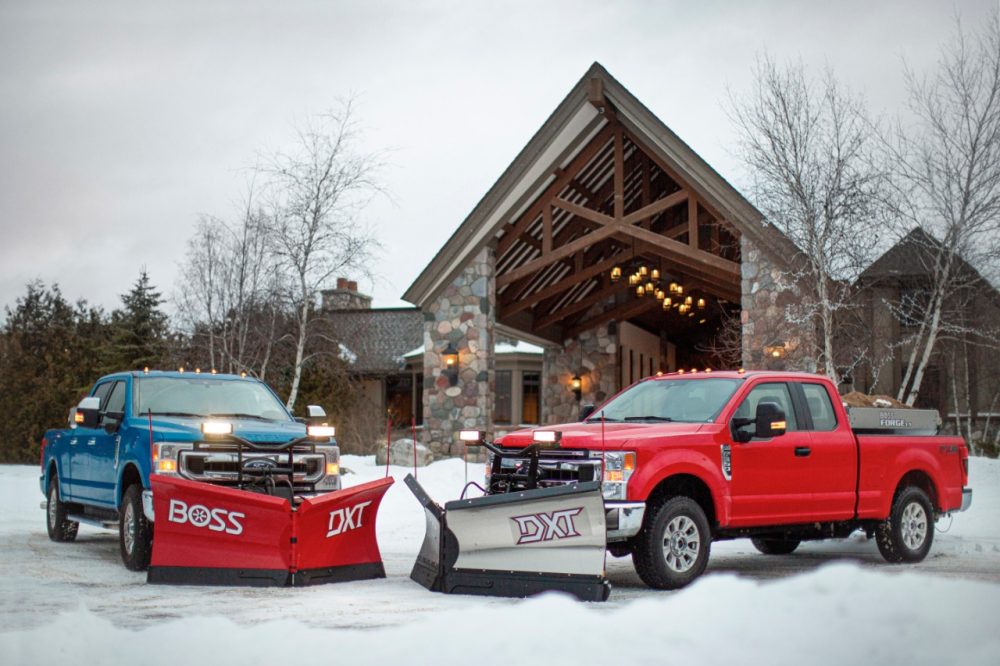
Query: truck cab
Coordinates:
[133,424]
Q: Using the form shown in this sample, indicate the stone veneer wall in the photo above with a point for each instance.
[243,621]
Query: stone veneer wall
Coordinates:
[594,356]
[768,294]
[463,315]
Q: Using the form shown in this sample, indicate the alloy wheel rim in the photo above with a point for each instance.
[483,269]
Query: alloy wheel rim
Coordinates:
[681,544]
[914,525]
[129,535]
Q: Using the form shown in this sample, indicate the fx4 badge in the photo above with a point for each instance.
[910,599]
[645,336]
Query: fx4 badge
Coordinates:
[536,527]
[346,519]
[727,462]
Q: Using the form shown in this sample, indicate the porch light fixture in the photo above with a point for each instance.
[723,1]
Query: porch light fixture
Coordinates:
[775,350]
[450,358]
[576,385]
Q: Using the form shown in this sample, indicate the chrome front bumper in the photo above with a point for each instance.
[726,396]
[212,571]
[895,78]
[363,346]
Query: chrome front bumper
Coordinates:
[966,499]
[624,519]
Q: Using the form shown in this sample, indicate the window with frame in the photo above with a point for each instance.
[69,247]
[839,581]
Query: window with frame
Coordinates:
[531,398]
[503,405]
[776,392]
[820,407]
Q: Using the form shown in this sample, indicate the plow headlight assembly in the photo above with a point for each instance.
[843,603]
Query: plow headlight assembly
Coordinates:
[618,468]
[321,431]
[217,428]
[471,437]
[547,438]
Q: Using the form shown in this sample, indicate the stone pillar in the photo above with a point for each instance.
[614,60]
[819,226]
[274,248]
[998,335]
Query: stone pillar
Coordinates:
[593,355]
[770,296]
[464,315]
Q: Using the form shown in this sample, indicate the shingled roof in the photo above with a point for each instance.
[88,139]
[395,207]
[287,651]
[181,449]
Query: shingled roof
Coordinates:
[376,340]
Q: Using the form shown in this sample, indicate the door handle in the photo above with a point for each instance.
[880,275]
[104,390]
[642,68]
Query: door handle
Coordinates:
[802,451]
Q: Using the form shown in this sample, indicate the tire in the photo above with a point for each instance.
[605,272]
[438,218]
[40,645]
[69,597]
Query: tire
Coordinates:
[672,548]
[135,534]
[907,534]
[59,528]
[775,546]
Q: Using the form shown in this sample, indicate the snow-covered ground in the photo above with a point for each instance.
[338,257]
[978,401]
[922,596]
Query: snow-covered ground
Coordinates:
[829,603]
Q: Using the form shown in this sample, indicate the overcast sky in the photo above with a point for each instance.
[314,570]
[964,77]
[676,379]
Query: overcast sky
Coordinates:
[121,122]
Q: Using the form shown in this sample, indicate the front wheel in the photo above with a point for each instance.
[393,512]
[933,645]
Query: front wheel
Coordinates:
[907,534]
[59,528]
[135,534]
[673,547]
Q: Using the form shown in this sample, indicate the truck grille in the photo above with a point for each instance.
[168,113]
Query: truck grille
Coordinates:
[555,468]
[216,467]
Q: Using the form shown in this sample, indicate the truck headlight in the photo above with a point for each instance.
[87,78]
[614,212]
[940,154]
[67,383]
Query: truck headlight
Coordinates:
[618,468]
[166,457]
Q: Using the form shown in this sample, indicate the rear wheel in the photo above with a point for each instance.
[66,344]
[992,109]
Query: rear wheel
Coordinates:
[907,534]
[135,534]
[775,546]
[672,549]
[59,528]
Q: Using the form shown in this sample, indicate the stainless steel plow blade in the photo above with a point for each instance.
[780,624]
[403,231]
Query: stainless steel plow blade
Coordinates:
[515,544]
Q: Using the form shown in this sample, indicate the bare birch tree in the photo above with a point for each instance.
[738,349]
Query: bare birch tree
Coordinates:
[948,160]
[317,193]
[811,153]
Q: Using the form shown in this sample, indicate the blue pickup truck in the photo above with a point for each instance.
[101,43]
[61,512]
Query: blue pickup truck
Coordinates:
[97,470]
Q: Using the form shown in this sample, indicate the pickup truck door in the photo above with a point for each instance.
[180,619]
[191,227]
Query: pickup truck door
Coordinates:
[771,481]
[77,444]
[94,479]
[833,457]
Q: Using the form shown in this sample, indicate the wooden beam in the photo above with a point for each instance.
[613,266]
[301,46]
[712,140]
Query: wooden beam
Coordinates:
[581,211]
[619,174]
[657,206]
[693,221]
[557,254]
[546,229]
[533,211]
[683,253]
[620,313]
[562,285]
[595,93]
[584,303]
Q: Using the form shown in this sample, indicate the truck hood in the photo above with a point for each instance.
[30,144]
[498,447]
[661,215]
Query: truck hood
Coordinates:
[616,435]
[176,429]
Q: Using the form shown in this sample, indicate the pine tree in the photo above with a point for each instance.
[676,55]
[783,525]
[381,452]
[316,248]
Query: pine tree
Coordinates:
[140,329]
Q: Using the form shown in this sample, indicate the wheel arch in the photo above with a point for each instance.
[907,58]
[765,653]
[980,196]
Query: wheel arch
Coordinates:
[130,475]
[685,484]
[922,479]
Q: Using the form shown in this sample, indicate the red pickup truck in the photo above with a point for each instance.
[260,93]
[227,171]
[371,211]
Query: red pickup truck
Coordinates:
[692,458]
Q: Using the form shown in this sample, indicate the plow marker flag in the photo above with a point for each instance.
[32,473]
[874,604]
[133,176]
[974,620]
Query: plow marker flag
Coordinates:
[206,534]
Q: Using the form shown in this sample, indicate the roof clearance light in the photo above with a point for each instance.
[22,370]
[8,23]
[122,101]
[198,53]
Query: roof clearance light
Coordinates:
[547,436]
[243,375]
[321,431]
[180,369]
[741,371]
[681,371]
[708,369]
[470,435]
[145,370]
[197,371]
[217,428]
[694,371]
[214,371]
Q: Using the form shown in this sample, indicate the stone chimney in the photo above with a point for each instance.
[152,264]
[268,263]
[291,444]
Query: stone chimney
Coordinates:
[345,297]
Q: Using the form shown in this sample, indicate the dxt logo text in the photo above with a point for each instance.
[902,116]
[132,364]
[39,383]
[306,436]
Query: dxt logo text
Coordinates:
[346,519]
[537,527]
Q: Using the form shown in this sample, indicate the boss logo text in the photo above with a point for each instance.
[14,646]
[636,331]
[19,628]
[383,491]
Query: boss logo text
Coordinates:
[199,515]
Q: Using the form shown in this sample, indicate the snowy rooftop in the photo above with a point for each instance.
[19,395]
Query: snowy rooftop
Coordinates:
[501,348]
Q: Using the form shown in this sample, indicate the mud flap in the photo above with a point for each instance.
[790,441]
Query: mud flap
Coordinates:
[515,544]
[207,534]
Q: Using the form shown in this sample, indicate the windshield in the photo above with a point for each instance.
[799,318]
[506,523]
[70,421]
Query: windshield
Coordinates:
[683,400]
[204,396]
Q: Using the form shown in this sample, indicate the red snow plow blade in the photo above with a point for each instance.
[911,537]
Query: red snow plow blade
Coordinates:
[208,534]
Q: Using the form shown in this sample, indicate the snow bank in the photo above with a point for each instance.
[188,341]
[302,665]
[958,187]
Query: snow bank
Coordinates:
[838,615]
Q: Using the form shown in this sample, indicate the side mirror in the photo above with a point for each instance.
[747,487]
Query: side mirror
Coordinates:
[586,411]
[770,421]
[88,413]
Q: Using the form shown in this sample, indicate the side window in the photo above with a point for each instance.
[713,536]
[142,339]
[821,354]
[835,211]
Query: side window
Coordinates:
[820,407]
[773,392]
[101,392]
[116,400]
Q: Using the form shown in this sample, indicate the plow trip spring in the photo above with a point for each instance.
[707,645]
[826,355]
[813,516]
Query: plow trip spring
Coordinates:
[264,529]
[518,543]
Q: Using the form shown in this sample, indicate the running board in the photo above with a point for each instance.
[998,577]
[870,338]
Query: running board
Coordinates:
[93,522]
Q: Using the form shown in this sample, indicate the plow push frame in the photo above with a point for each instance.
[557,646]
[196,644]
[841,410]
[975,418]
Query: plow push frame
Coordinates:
[255,532]
[516,543]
